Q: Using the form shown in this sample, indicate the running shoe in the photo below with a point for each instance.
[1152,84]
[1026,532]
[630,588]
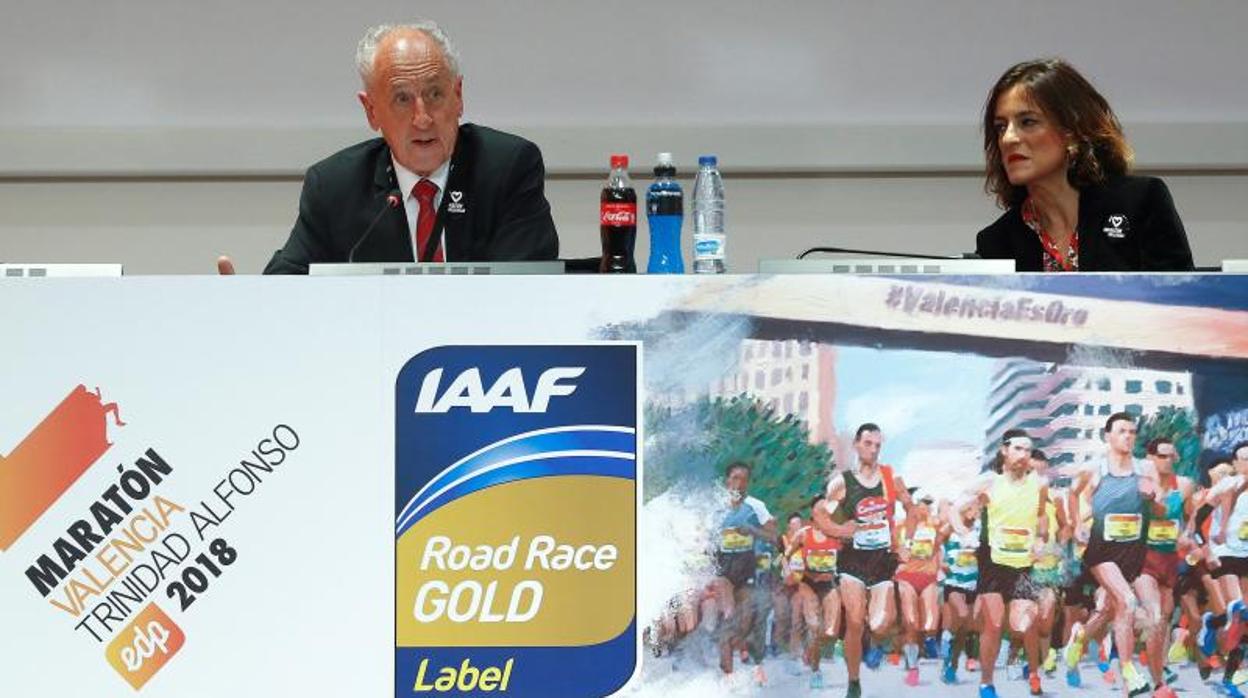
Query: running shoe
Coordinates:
[912,676]
[1227,688]
[1234,624]
[854,690]
[1073,679]
[1240,677]
[873,657]
[972,664]
[1165,692]
[1073,651]
[1207,638]
[1050,662]
[816,681]
[1177,654]
[760,676]
[1034,681]
[1137,684]
[1169,676]
[1107,654]
[948,673]
[1109,677]
[988,691]
[930,649]
[946,644]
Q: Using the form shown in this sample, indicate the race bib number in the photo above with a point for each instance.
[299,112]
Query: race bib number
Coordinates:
[923,545]
[966,559]
[1014,540]
[732,541]
[1163,531]
[1048,562]
[763,562]
[821,562]
[797,565]
[1122,528]
[873,535]
[1012,547]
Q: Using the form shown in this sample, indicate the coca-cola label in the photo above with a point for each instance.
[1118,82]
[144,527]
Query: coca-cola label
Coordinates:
[618,213]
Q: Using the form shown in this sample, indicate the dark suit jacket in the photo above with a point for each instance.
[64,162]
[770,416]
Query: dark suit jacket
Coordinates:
[494,207]
[1127,224]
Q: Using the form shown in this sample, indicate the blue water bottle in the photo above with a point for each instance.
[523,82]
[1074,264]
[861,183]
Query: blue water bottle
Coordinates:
[665,205]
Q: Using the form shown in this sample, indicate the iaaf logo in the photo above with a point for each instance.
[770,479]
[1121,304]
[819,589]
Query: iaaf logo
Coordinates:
[51,458]
[508,391]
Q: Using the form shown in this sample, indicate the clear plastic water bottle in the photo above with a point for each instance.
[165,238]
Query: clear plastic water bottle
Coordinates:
[708,218]
[665,207]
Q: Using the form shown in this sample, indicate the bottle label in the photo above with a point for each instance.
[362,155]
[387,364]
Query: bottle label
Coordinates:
[708,245]
[665,202]
[618,213]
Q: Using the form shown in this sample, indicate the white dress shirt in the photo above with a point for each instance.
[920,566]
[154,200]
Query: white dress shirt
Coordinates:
[411,206]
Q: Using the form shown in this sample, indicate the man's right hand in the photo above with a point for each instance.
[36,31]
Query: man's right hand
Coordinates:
[225,266]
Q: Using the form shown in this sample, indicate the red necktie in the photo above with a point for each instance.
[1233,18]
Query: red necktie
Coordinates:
[424,191]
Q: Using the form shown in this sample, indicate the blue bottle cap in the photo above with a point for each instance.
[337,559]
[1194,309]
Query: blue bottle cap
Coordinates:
[704,160]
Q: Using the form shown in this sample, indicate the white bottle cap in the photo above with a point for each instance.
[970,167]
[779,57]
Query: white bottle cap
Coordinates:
[665,159]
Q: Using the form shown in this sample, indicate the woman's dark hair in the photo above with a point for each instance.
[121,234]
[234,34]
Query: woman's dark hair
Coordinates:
[1097,148]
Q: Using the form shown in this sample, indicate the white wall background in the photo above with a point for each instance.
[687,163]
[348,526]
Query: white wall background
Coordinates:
[159,134]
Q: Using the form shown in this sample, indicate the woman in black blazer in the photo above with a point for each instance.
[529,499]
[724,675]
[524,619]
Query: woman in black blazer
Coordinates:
[1058,163]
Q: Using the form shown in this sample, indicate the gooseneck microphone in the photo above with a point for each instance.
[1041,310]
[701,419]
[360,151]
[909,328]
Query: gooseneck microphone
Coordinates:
[879,253]
[394,199]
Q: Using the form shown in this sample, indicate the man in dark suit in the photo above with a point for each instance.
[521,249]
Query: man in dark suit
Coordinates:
[430,189]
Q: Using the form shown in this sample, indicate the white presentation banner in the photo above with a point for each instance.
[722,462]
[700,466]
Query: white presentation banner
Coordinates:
[525,486]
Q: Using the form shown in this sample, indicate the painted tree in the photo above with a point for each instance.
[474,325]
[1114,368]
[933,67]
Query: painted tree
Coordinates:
[1178,425]
[694,444]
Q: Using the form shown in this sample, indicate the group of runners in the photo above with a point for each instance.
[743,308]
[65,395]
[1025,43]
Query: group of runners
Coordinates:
[1023,569]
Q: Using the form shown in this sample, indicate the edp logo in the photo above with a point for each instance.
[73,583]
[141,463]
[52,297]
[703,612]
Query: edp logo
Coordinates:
[144,645]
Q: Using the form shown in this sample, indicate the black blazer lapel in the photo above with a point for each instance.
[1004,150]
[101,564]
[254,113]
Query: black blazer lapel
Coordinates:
[457,199]
[1091,211]
[389,240]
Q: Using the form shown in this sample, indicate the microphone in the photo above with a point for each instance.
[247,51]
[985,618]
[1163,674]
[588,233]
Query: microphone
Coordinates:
[393,200]
[878,253]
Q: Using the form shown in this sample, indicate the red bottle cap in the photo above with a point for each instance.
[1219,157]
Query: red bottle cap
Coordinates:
[619,160]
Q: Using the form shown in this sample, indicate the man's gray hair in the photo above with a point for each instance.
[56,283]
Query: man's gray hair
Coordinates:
[366,52]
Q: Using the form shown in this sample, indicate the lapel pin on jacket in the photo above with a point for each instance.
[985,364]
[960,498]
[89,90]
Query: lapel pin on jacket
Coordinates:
[1116,226]
[456,204]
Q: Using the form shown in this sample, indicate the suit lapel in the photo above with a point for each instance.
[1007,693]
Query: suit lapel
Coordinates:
[1090,204]
[456,200]
[390,240]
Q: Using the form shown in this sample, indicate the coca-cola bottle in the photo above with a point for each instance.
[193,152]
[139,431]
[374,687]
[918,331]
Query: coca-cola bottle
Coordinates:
[618,220]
